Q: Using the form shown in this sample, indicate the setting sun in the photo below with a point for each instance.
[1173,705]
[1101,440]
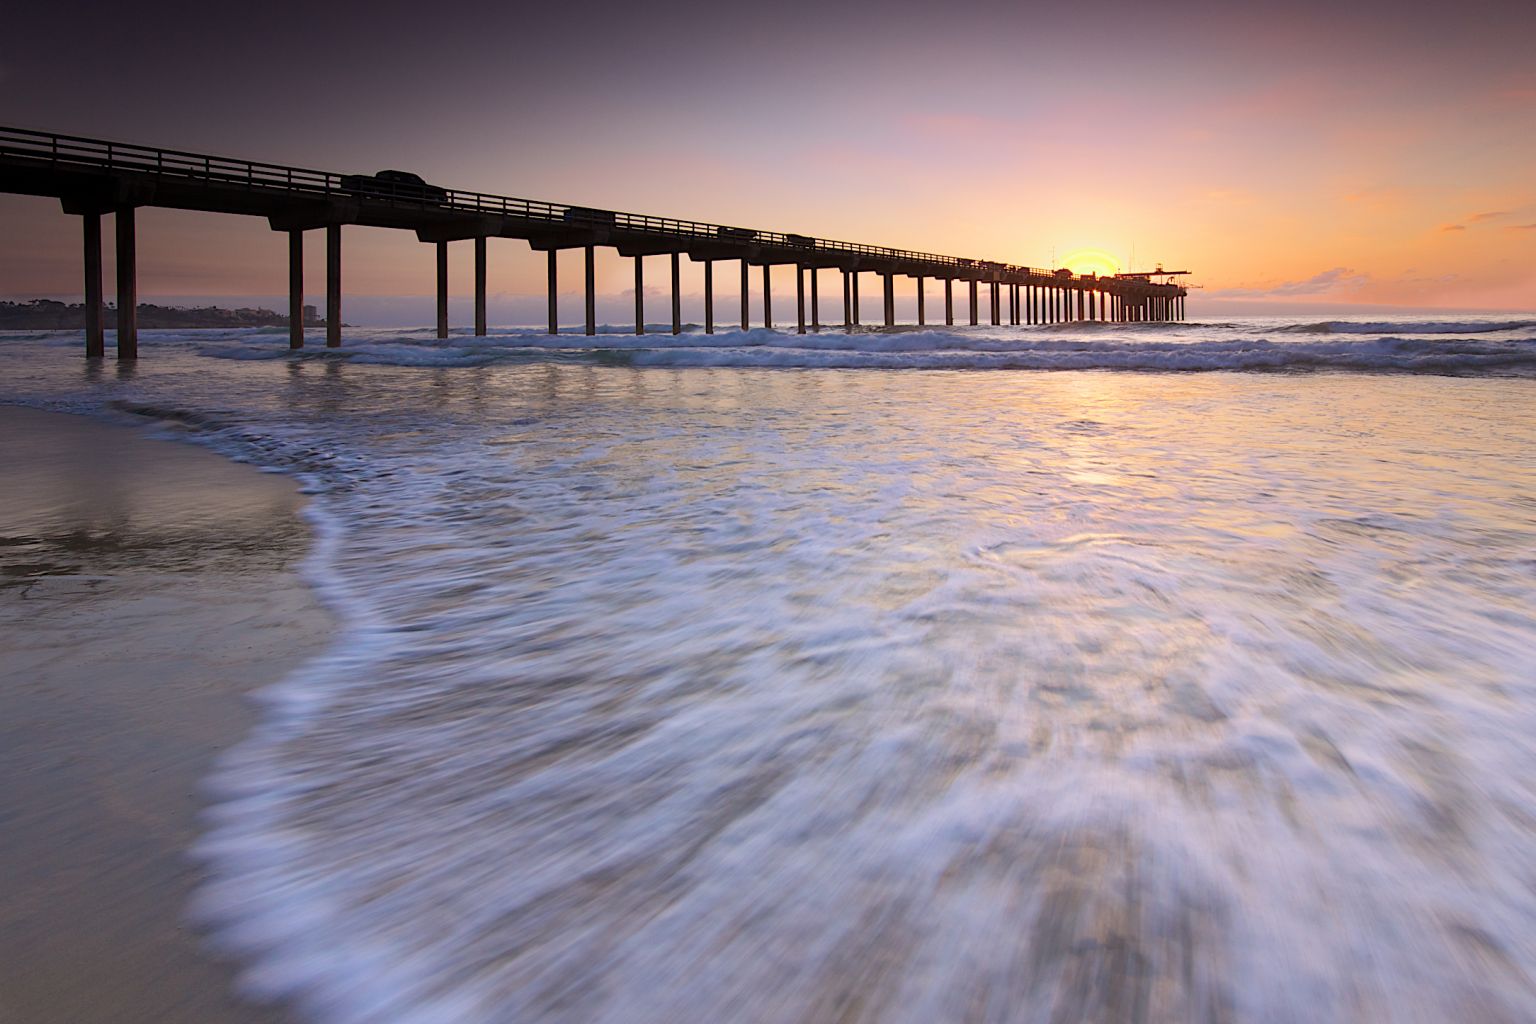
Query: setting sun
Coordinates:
[1091,261]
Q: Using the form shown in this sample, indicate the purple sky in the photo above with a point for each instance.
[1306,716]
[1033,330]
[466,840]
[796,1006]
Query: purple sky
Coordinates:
[1296,155]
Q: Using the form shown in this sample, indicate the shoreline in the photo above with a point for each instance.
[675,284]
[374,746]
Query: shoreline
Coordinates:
[146,588]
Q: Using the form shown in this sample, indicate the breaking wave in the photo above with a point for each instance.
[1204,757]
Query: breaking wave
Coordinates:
[1008,349]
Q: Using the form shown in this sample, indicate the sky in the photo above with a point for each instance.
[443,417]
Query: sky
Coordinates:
[1295,157]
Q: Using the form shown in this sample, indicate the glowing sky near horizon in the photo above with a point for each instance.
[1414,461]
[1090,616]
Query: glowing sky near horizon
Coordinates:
[1290,155]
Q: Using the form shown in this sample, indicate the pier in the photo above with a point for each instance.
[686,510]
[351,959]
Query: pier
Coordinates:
[93,177]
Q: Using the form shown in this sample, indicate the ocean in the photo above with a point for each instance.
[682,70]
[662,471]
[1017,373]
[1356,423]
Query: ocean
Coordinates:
[1161,672]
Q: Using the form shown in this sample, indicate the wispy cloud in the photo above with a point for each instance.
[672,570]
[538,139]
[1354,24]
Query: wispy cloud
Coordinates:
[1338,279]
[1521,227]
[1477,218]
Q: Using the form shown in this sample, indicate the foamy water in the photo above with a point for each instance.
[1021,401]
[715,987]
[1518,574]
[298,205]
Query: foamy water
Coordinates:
[673,688]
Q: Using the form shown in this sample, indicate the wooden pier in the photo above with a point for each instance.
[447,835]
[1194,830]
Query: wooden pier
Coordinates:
[92,177]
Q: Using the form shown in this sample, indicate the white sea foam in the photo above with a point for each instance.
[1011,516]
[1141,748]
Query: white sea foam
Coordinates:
[676,694]
[1478,346]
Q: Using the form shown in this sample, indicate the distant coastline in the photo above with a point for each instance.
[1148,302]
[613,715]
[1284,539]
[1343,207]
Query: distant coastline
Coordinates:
[51,315]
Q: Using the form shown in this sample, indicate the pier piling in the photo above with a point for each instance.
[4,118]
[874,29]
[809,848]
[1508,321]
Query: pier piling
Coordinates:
[709,296]
[95,336]
[554,303]
[677,295]
[591,281]
[442,290]
[767,297]
[333,286]
[745,314]
[127,286]
[639,295]
[480,318]
[295,289]
[799,299]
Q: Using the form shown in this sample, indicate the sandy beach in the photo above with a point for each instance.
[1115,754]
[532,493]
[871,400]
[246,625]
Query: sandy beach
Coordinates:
[145,587]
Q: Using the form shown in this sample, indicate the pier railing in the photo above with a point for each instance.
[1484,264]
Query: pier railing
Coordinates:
[73,151]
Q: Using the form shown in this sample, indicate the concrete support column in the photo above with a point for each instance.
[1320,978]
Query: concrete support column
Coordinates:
[709,296]
[554,305]
[295,289]
[949,302]
[127,286]
[922,303]
[442,289]
[973,302]
[997,308]
[857,313]
[677,294]
[480,319]
[333,286]
[591,282]
[95,335]
[799,299]
[890,299]
[815,300]
[744,314]
[768,296]
[639,295]
[847,302]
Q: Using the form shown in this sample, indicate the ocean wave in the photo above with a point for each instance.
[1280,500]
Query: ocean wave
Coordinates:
[940,350]
[1408,327]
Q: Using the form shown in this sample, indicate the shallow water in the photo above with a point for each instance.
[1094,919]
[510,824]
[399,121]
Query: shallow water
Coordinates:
[843,694]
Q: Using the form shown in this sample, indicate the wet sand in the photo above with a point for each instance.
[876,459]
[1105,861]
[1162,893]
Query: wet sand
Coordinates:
[145,586]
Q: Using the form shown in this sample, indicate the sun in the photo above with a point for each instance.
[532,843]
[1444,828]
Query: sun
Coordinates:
[1091,261]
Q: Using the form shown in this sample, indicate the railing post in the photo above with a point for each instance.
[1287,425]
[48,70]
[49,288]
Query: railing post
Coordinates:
[639,295]
[677,295]
[95,337]
[127,286]
[554,304]
[333,286]
[295,289]
[480,319]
